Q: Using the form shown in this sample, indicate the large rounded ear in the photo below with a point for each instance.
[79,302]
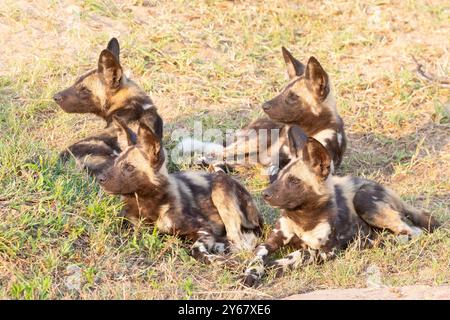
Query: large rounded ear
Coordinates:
[114,47]
[294,67]
[317,157]
[109,68]
[149,142]
[297,140]
[317,79]
[125,136]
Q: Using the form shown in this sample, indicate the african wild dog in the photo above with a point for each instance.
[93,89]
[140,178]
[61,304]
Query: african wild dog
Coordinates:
[307,101]
[106,92]
[213,210]
[322,213]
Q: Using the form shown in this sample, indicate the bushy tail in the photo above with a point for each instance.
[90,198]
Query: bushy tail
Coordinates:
[189,145]
[421,218]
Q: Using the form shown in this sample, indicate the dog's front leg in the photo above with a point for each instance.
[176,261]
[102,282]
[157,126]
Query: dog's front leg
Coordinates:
[278,238]
[301,258]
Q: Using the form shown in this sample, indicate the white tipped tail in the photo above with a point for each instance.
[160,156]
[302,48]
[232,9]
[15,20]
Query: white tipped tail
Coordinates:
[189,145]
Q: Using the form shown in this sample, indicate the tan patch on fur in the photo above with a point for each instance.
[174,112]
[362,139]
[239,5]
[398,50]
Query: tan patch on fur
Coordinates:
[164,222]
[391,219]
[300,89]
[97,88]
[330,100]
[230,213]
[90,161]
[302,171]
[118,100]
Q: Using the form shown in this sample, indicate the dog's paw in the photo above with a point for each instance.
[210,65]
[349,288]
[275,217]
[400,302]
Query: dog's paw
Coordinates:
[251,278]
[253,274]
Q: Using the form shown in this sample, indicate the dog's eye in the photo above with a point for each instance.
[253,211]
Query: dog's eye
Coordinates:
[84,90]
[292,97]
[294,181]
[128,167]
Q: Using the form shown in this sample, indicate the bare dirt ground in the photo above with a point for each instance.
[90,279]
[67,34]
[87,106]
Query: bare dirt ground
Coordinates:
[398,293]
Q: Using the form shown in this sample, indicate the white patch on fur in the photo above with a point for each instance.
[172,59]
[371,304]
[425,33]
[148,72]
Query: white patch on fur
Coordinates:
[201,247]
[415,231]
[189,145]
[324,135]
[272,170]
[293,258]
[262,251]
[339,138]
[147,106]
[219,247]
[116,153]
[286,225]
[128,74]
[316,237]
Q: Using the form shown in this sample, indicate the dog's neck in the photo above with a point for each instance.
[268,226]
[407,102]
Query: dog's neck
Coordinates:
[131,110]
[150,200]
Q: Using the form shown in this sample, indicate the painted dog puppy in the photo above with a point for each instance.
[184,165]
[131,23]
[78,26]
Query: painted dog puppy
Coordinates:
[213,210]
[322,213]
[106,92]
[306,101]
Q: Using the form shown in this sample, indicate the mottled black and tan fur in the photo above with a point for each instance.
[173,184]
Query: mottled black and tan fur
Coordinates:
[306,101]
[322,213]
[212,210]
[106,92]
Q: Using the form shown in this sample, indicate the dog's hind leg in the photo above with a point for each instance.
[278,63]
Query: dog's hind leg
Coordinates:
[241,218]
[380,208]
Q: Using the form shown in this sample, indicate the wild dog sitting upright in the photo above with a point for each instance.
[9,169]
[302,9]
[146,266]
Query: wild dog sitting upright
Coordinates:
[210,209]
[307,101]
[322,213]
[106,92]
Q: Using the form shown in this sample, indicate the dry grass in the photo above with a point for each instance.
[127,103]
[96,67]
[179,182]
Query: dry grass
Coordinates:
[218,61]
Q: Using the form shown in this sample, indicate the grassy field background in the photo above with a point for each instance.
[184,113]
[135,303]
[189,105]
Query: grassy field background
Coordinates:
[217,61]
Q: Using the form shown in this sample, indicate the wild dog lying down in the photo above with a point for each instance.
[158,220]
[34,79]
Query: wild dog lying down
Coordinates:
[106,92]
[322,213]
[307,101]
[213,210]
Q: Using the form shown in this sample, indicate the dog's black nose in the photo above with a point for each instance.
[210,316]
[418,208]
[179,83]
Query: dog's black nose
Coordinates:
[267,194]
[266,106]
[101,178]
[57,97]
